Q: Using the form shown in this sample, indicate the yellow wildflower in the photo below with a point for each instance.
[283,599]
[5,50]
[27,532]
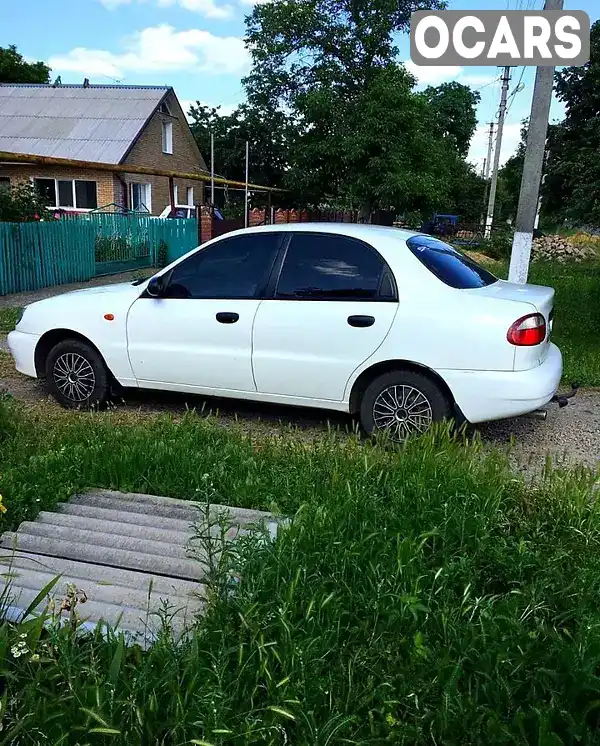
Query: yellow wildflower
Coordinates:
[2,506]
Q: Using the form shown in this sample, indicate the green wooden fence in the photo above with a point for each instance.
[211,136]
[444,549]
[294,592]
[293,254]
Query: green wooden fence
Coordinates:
[37,255]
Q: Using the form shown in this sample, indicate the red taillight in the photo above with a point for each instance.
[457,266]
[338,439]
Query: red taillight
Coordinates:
[528,330]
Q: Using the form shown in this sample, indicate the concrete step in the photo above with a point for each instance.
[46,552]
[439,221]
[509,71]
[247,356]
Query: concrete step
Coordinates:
[135,622]
[136,543]
[130,553]
[186,510]
[82,572]
[124,528]
[143,601]
[103,555]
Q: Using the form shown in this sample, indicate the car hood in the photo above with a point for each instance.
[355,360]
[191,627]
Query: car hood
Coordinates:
[119,287]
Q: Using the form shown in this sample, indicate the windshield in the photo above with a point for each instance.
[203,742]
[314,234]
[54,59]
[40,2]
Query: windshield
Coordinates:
[449,265]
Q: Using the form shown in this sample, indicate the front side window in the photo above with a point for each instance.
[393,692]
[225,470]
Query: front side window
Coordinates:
[321,266]
[236,267]
[449,265]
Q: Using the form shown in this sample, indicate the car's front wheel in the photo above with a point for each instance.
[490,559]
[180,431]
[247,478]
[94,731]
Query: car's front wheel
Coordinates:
[401,404]
[76,375]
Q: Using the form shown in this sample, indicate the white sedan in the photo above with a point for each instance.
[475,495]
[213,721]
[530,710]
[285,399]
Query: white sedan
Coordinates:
[394,326]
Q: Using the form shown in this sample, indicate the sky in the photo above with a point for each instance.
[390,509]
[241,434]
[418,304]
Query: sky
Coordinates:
[197,47]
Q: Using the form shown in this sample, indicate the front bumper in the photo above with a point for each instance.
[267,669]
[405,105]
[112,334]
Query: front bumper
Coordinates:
[22,348]
[497,395]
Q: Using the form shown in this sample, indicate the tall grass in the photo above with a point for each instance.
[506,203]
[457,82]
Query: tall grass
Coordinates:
[421,595]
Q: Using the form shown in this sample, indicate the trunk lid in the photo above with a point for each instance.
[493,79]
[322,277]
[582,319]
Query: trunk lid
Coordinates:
[540,299]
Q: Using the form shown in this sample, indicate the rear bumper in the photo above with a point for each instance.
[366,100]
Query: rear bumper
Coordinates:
[22,348]
[496,395]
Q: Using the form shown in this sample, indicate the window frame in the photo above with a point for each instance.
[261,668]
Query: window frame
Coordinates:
[68,208]
[148,204]
[276,274]
[262,285]
[167,137]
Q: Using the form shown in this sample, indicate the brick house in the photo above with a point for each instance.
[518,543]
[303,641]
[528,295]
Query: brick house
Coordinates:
[114,124]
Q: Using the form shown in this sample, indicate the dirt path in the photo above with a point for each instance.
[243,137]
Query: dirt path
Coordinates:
[570,436]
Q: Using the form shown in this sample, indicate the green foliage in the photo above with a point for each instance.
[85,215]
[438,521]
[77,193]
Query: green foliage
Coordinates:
[571,187]
[14,68]
[421,595]
[499,245]
[453,107]
[22,203]
[267,133]
[8,319]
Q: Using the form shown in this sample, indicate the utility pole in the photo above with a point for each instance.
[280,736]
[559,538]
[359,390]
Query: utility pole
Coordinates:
[489,154]
[212,169]
[532,167]
[246,192]
[494,183]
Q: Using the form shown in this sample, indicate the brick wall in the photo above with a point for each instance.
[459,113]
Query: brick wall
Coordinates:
[147,151]
[104,180]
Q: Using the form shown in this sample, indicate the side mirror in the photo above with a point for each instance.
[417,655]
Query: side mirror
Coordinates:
[155,287]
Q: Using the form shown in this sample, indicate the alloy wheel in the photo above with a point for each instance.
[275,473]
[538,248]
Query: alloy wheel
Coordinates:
[74,377]
[401,411]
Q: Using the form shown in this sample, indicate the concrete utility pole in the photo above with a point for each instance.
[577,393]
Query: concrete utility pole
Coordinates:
[212,170]
[489,154]
[494,183]
[532,167]
[246,190]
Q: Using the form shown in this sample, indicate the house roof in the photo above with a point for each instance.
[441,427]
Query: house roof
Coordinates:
[93,123]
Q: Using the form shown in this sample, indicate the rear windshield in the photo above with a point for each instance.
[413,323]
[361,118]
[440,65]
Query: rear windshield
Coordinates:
[448,264]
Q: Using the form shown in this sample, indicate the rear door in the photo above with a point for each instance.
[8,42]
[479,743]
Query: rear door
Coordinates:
[334,303]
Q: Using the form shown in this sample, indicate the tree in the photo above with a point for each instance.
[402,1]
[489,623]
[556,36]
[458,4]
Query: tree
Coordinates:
[267,134]
[331,66]
[14,68]
[453,110]
[572,187]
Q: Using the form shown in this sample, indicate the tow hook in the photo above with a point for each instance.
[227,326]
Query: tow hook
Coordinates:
[563,399]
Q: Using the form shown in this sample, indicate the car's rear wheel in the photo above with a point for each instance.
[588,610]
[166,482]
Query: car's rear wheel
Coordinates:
[401,404]
[76,375]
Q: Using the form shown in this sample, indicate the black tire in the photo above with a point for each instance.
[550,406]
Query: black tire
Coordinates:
[89,385]
[420,403]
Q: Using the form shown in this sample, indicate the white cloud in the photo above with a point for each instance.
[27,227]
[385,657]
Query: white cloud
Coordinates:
[433,75]
[253,2]
[160,48]
[207,8]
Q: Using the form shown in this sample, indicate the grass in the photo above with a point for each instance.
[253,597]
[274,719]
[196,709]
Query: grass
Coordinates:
[8,319]
[421,595]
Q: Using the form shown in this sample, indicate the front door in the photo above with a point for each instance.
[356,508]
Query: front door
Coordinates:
[334,304]
[198,334]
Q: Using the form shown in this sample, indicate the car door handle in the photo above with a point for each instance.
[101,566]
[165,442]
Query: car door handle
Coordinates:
[227,317]
[361,320]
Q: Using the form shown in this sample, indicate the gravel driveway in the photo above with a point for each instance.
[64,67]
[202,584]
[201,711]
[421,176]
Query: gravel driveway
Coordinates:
[570,436]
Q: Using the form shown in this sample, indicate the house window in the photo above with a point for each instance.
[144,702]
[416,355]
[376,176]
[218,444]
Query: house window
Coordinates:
[167,137]
[141,197]
[190,196]
[68,193]
[175,195]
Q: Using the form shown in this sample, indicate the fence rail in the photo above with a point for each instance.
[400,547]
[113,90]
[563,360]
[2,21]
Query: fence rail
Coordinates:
[37,255]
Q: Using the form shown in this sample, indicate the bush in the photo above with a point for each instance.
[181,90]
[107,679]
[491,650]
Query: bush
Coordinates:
[22,203]
[499,245]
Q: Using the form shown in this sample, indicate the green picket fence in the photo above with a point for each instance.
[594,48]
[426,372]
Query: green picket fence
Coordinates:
[38,255]
[42,254]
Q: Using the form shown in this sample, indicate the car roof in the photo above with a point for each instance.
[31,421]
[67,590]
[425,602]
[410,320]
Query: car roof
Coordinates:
[363,231]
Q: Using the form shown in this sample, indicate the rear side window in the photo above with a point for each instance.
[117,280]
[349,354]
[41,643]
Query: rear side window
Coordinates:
[321,266]
[448,264]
